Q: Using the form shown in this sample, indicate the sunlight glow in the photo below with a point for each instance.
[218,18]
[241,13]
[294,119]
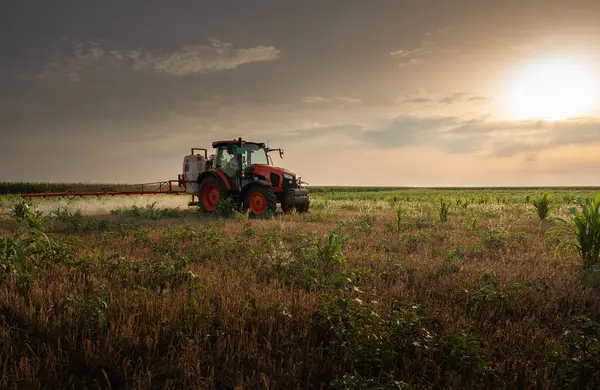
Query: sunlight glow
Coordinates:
[552,90]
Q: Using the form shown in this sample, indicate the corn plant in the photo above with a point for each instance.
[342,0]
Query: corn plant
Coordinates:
[542,205]
[581,234]
[400,213]
[474,220]
[444,210]
[330,251]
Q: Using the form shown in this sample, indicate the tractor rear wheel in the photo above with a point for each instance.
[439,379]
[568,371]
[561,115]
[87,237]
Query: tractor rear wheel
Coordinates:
[260,200]
[210,194]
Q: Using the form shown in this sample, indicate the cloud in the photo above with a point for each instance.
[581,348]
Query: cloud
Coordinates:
[315,99]
[203,58]
[449,99]
[348,100]
[458,135]
[72,59]
[320,99]
[411,57]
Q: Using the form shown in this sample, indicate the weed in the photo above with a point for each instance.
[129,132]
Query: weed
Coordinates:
[225,208]
[574,363]
[463,354]
[495,238]
[149,211]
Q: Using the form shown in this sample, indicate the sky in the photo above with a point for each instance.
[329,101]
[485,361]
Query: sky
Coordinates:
[378,93]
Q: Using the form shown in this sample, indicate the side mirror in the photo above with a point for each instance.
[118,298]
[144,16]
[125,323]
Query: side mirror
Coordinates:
[280,153]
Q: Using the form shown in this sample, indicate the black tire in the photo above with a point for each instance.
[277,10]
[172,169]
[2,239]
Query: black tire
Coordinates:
[207,182]
[303,207]
[268,196]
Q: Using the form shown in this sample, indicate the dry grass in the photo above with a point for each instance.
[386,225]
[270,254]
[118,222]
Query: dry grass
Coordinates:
[196,302]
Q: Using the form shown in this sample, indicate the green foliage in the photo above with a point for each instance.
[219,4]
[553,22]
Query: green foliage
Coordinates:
[581,234]
[574,363]
[444,209]
[329,252]
[495,238]
[24,212]
[149,211]
[22,254]
[400,213]
[89,308]
[225,208]
[356,382]
[542,205]
[63,214]
[37,188]
[474,220]
[463,354]
[452,259]
[370,343]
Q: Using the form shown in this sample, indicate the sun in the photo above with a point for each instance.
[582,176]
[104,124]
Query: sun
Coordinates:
[552,90]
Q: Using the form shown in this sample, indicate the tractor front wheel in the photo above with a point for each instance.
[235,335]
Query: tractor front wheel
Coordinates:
[210,194]
[303,207]
[260,200]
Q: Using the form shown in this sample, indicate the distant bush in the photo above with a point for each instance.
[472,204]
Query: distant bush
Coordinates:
[40,187]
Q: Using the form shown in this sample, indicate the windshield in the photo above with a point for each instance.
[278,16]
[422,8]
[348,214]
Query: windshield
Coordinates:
[254,155]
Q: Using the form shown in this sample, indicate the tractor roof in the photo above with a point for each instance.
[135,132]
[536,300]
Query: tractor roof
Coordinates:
[218,144]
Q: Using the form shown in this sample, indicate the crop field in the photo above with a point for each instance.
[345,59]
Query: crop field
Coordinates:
[372,289]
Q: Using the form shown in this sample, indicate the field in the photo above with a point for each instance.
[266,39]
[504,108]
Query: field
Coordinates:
[372,289]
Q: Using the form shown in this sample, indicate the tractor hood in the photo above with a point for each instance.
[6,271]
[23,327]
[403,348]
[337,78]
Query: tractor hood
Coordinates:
[271,168]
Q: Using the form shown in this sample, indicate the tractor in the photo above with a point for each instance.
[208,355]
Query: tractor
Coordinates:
[243,171]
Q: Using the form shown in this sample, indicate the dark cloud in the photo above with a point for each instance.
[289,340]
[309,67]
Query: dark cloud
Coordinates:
[72,59]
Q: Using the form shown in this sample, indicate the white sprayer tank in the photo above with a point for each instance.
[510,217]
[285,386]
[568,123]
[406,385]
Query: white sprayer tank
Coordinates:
[193,166]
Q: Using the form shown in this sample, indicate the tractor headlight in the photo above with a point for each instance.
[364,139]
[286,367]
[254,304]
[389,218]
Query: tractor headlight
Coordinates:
[287,176]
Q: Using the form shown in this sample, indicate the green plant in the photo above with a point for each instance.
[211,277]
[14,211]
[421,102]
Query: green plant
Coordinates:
[580,234]
[400,213]
[463,354]
[444,209]
[150,211]
[329,252]
[22,253]
[542,205]
[90,308]
[63,214]
[355,381]
[474,220]
[574,363]
[23,211]
[225,208]
[495,238]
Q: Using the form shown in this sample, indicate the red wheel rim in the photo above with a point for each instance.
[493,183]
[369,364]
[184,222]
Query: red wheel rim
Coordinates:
[210,197]
[257,203]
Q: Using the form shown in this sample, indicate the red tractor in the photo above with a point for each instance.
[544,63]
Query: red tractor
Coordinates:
[243,171]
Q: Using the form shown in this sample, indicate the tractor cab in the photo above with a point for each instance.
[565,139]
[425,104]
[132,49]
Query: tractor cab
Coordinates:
[230,157]
[244,171]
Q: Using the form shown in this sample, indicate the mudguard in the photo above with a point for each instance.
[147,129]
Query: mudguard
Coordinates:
[219,175]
